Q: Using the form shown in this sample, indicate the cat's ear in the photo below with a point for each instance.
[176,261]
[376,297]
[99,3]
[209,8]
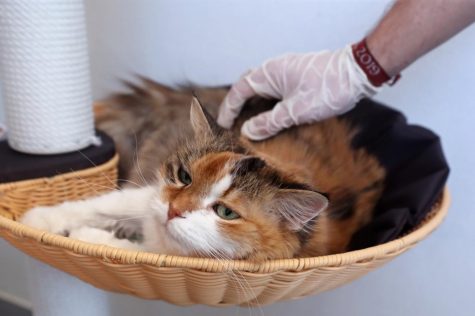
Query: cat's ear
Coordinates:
[202,122]
[298,207]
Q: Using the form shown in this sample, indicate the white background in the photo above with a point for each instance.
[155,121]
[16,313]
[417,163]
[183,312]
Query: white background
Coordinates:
[213,42]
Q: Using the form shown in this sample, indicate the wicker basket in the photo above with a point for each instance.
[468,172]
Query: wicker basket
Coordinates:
[182,280]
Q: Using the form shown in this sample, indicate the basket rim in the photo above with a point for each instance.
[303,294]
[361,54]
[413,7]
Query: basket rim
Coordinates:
[117,256]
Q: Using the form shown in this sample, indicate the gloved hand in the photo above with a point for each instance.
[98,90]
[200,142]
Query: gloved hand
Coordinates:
[311,87]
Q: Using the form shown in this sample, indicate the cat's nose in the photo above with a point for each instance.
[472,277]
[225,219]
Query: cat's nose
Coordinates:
[173,212]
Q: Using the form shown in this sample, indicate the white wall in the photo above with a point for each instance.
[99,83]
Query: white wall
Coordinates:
[212,42]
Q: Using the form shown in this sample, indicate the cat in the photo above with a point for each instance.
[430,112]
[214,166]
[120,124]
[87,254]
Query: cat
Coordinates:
[192,188]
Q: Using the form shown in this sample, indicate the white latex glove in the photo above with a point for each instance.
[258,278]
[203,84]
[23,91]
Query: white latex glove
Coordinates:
[311,87]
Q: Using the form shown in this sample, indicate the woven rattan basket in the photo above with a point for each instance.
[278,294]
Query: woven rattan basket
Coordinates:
[182,280]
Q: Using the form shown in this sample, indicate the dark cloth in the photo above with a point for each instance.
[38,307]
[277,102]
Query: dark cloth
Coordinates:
[416,170]
[16,166]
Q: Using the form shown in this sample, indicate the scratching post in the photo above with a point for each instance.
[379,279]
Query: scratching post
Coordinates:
[48,106]
[45,75]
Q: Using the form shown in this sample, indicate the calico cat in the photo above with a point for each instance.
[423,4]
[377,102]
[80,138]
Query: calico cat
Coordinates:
[192,188]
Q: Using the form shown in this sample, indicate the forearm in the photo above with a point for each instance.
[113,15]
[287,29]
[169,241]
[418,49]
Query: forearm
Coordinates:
[411,28]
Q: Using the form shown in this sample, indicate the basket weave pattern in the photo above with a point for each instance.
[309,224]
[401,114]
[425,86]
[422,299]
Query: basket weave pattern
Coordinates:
[182,280]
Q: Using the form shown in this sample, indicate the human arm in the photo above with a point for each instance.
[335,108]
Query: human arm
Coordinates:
[315,86]
[411,28]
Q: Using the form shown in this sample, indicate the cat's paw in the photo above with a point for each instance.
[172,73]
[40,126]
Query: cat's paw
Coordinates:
[51,219]
[92,235]
[128,229]
[100,236]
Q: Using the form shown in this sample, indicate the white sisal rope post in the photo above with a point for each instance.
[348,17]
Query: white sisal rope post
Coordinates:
[45,75]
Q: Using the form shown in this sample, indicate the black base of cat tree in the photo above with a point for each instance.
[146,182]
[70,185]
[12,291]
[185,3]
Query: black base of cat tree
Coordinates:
[16,166]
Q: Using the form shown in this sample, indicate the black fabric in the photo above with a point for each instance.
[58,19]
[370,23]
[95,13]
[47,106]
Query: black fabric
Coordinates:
[416,170]
[16,166]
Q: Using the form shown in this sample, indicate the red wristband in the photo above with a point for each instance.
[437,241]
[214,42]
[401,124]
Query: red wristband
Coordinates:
[375,73]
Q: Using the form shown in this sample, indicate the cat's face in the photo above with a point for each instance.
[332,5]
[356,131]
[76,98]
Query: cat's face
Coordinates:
[222,202]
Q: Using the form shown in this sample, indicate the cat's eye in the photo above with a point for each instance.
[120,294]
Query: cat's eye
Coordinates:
[225,212]
[184,176]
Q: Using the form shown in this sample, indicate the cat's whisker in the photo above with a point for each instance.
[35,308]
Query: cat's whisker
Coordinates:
[245,287]
[248,287]
[93,185]
[95,165]
[221,256]
[129,181]
[136,161]
[107,188]
[130,218]
[243,284]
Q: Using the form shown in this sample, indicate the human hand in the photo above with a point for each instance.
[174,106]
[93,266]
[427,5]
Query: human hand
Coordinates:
[311,87]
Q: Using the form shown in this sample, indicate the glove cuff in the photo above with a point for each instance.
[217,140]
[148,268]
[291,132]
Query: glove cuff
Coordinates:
[370,66]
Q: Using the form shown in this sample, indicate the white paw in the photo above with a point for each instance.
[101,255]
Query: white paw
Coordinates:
[52,219]
[92,234]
